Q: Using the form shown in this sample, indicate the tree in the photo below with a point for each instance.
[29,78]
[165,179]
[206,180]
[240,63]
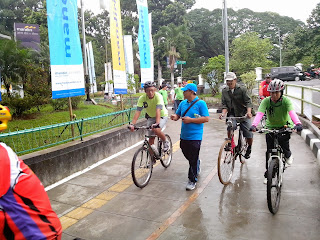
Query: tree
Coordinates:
[13,63]
[177,41]
[248,52]
[249,79]
[212,72]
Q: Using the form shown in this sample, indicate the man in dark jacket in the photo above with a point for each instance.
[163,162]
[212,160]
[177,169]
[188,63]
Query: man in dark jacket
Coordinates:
[237,103]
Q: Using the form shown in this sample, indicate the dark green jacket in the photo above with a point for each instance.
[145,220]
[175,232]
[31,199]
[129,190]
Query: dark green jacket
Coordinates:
[239,100]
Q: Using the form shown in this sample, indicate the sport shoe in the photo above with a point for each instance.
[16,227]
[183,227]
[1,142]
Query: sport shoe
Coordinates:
[199,168]
[248,152]
[165,146]
[265,181]
[289,160]
[191,185]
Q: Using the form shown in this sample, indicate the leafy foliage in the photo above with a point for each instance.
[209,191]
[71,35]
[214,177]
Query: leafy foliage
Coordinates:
[212,72]
[249,51]
[249,79]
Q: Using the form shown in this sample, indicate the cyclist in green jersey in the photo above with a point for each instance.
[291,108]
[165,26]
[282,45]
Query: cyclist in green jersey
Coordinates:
[164,93]
[280,112]
[178,96]
[156,112]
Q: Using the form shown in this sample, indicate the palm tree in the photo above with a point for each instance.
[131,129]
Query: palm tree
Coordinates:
[177,41]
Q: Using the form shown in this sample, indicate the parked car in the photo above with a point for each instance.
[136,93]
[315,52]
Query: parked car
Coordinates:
[287,73]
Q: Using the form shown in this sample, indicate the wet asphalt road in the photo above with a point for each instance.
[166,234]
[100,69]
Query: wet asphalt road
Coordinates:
[103,203]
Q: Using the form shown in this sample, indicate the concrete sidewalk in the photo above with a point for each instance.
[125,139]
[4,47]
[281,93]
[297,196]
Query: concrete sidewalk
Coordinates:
[103,203]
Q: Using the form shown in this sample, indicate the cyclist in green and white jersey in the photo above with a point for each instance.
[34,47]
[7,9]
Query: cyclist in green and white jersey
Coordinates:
[156,112]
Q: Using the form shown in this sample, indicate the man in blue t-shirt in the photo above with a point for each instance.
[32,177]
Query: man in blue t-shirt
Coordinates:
[193,119]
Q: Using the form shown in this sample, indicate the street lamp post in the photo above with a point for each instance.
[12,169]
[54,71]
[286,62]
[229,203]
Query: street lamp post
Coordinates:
[280,47]
[226,38]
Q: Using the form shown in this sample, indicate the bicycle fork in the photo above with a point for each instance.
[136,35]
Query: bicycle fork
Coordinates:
[280,166]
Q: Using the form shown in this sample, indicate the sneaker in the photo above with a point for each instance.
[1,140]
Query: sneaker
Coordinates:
[166,146]
[227,148]
[265,181]
[191,185]
[199,168]
[289,160]
[248,153]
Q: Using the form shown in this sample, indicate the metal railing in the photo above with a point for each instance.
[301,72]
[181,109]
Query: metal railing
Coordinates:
[30,140]
[304,99]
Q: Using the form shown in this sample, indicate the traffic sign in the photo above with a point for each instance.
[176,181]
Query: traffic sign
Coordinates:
[181,62]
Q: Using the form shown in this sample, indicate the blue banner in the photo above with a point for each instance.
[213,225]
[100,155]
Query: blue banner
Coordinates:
[144,34]
[65,49]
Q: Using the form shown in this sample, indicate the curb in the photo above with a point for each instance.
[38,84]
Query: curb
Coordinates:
[311,135]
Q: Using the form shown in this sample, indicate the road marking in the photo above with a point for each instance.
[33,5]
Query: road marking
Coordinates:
[72,217]
[183,207]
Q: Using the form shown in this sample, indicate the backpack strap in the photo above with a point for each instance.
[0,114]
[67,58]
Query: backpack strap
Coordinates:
[189,107]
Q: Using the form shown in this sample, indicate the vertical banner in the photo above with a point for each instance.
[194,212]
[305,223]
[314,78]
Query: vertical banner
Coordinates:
[151,48]
[108,77]
[128,53]
[144,42]
[92,73]
[67,75]
[118,61]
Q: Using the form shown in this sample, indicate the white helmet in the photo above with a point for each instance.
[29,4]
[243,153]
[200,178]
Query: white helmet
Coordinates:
[276,85]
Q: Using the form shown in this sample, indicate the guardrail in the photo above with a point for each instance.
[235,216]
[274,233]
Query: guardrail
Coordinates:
[305,99]
[30,140]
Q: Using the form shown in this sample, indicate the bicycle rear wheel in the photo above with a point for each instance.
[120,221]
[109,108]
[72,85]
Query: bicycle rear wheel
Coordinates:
[273,186]
[141,167]
[225,163]
[167,156]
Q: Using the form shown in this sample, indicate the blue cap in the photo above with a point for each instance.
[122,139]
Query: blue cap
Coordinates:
[190,86]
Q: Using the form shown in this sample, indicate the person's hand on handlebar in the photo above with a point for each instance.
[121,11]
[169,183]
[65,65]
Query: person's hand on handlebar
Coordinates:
[155,125]
[253,128]
[131,127]
[298,127]
[222,116]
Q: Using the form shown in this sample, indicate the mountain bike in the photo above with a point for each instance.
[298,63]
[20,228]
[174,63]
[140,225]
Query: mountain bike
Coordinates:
[229,151]
[275,170]
[146,156]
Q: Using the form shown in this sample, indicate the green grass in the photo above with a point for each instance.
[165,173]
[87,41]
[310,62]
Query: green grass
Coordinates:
[48,116]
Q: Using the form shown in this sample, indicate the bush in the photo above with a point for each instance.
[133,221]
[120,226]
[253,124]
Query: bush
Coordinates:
[75,101]
[62,103]
[16,104]
[59,104]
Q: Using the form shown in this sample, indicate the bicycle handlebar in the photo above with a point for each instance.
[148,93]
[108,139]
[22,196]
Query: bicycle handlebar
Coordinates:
[230,118]
[144,127]
[281,130]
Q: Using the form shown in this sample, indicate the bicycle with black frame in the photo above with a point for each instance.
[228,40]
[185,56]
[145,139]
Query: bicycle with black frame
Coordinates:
[229,151]
[147,155]
[276,166]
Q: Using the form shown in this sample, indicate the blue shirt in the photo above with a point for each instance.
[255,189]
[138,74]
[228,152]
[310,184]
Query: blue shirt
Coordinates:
[192,131]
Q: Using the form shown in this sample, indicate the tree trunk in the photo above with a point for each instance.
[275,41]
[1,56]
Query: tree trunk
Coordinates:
[172,77]
[159,73]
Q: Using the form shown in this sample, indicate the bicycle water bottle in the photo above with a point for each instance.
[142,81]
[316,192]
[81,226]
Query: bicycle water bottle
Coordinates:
[196,115]
[155,150]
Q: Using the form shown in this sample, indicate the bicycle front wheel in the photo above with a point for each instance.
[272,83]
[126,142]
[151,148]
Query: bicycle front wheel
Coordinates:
[167,156]
[242,147]
[273,186]
[141,167]
[225,162]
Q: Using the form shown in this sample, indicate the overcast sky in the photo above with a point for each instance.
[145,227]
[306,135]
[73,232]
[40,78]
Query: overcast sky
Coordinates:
[299,10]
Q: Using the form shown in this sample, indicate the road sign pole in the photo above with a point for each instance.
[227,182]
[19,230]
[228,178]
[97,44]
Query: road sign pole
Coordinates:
[181,72]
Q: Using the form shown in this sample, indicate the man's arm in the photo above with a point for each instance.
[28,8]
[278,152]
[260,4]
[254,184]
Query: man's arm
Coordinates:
[261,90]
[134,120]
